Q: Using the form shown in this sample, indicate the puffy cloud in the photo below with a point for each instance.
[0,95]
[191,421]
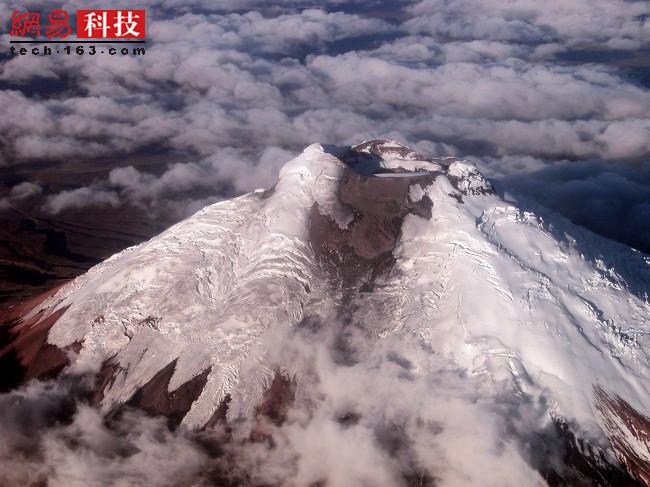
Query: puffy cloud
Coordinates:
[286,34]
[608,24]
[373,420]
[511,90]
[19,192]
[79,198]
[25,190]
[50,435]
[225,85]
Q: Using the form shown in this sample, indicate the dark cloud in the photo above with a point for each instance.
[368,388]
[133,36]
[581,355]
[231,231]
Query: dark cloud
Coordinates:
[610,199]
[52,435]
[370,422]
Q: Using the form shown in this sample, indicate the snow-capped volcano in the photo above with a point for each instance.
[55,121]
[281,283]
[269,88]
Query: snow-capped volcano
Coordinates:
[381,298]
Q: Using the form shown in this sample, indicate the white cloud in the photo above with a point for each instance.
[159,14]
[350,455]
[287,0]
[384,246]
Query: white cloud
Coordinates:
[25,190]
[80,198]
[49,437]
[616,24]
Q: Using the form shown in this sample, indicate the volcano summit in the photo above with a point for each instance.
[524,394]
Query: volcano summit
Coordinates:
[375,318]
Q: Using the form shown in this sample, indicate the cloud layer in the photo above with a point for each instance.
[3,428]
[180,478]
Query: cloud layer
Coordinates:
[235,88]
[373,420]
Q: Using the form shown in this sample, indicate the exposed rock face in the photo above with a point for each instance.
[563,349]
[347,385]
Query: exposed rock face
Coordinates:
[383,148]
[273,409]
[629,433]
[155,397]
[364,249]
[24,351]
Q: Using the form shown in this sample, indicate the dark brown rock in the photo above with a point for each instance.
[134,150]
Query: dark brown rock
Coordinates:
[219,418]
[616,412]
[357,255]
[569,460]
[24,351]
[274,407]
[155,399]
[105,379]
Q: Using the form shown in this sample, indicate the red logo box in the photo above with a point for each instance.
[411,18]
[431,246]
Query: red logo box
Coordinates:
[111,24]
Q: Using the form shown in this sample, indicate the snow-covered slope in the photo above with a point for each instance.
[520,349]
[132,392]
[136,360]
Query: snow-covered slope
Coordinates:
[399,260]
